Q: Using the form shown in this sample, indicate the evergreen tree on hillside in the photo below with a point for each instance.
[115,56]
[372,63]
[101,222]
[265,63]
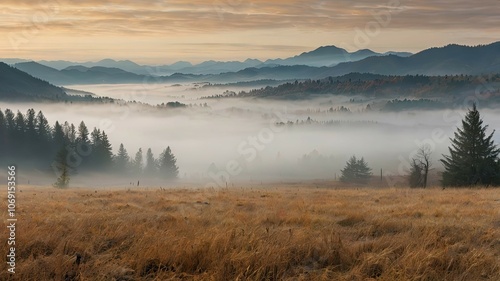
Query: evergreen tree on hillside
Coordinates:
[59,139]
[83,134]
[3,127]
[9,121]
[20,123]
[31,125]
[168,165]
[42,128]
[356,171]
[70,132]
[473,158]
[19,135]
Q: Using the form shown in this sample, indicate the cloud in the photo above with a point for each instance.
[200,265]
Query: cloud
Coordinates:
[173,16]
[262,28]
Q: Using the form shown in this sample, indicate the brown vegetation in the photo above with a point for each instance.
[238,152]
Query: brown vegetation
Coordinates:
[292,232]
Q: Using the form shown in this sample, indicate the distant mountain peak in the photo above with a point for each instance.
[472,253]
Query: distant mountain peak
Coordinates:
[325,50]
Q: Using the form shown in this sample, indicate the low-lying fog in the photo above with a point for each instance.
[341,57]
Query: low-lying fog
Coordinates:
[241,138]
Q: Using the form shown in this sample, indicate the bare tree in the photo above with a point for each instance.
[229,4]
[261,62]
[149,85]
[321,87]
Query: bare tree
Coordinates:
[420,167]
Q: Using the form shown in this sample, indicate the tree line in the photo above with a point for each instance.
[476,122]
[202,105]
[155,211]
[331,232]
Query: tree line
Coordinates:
[371,85]
[29,140]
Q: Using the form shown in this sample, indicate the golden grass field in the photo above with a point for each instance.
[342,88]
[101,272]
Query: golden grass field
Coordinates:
[274,232]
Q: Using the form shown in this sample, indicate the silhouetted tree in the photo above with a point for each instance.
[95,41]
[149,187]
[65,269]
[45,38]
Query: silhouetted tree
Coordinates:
[59,139]
[473,158]
[138,162]
[18,133]
[356,171]
[3,135]
[168,165]
[42,128]
[70,132]
[102,154]
[83,133]
[122,159]
[105,151]
[30,141]
[420,166]
[151,166]
[416,175]
[31,125]
[62,167]
[9,121]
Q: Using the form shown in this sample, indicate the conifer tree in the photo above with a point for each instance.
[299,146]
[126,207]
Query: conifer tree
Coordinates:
[20,128]
[61,166]
[138,162]
[42,128]
[83,133]
[31,125]
[168,165]
[107,151]
[473,156]
[122,159]
[151,166]
[59,139]
[3,135]
[9,121]
[356,171]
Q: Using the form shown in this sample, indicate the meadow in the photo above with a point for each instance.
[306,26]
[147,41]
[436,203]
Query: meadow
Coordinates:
[286,231]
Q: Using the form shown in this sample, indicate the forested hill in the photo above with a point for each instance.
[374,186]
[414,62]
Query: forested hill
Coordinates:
[18,85]
[379,86]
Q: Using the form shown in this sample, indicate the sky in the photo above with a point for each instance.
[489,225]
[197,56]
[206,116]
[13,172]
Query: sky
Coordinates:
[166,31]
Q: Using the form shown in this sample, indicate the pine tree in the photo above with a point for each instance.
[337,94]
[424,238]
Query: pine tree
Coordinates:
[19,137]
[107,151]
[62,167]
[122,159]
[59,139]
[151,166]
[167,165]
[473,158]
[31,125]
[10,125]
[96,137]
[3,137]
[356,171]
[42,128]
[69,132]
[102,154]
[83,133]
[138,162]
[9,121]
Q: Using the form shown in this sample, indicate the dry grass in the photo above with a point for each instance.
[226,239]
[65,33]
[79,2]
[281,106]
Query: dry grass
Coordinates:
[274,233]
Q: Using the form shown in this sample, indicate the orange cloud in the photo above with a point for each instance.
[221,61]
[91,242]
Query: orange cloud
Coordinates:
[70,23]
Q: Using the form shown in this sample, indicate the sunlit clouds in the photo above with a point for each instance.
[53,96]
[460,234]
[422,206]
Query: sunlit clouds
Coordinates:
[166,31]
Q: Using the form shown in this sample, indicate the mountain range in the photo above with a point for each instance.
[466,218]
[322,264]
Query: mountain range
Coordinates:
[447,60]
[322,56]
